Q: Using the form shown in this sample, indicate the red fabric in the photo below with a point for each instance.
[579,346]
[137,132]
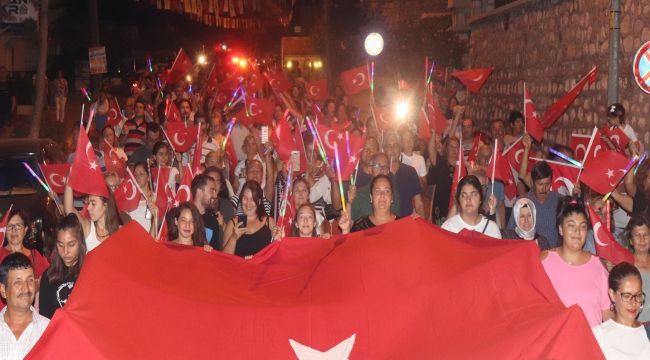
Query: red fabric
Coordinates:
[184,192]
[55,176]
[617,137]
[300,146]
[114,113]
[383,118]
[282,138]
[320,117]
[332,136]
[603,174]
[171,112]
[181,137]
[420,304]
[85,174]
[533,124]
[459,172]
[3,224]
[112,161]
[563,177]
[278,81]
[559,107]
[255,82]
[196,156]
[437,118]
[230,153]
[127,196]
[317,90]
[579,144]
[181,66]
[355,80]
[164,174]
[606,246]
[515,154]
[473,79]
[501,171]
[424,129]
[257,111]
[476,143]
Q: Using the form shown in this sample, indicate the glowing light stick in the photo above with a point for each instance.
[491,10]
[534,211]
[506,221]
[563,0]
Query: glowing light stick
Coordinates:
[86,94]
[625,171]
[314,133]
[232,99]
[372,77]
[347,142]
[430,73]
[643,158]
[353,180]
[231,124]
[83,108]
[45,186]
[338,174]
[555,162]
[564,157]
[149,65]
[285,196]
[494,163]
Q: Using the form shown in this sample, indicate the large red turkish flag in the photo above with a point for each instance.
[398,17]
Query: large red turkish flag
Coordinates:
[382,117]
[473,79]
[317,90]
[56,176]
[355,80]
[288,301]
[533,125]
[181,66]
[184,191]
[559,107]
[606,245]
[112,160]
[86,176]
[604,173]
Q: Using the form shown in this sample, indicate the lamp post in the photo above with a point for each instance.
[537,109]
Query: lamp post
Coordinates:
[614,46]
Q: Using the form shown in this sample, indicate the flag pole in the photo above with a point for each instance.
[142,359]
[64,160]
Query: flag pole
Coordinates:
[494,163]
[524,109]
[584,158]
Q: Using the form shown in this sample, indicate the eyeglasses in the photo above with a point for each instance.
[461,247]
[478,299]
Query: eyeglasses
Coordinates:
[628,297]
[380,167]
[18,227]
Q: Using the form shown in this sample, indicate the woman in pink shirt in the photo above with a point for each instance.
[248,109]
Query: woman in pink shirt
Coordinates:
[577,276]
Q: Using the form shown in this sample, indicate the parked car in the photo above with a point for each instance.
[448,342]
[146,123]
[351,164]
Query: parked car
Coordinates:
[18,186]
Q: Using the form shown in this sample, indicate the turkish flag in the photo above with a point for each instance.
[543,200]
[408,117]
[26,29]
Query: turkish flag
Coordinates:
[515,154]
[605,172]
[606,246]
[181,137]
[300,147]
[500,170]
[282,138]
[127,195]
[114,114]
[3,224]
[181,66]
[320,117]
[559,107]
[257,111]
[171,111]
[288,301]
[617,137]
[164,196]
[355,80]
[349,157]
[255,82]
[278,81]
[579,144]
[231,153]
[473,79]
[479,139]
[533,125]
[460,171]
[198,149]
[85,174]
[162,173]
[317,90]
[56,176]
[424,129]
[184,192]
[382,117]
[437,118]
[564,178]
[329,136]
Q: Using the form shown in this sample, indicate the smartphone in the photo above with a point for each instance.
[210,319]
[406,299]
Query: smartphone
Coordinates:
[242,220]
[264,134]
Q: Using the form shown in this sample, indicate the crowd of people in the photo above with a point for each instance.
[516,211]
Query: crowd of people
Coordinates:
[242,196]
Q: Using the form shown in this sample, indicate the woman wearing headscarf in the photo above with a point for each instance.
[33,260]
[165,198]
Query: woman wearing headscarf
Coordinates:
[524,214]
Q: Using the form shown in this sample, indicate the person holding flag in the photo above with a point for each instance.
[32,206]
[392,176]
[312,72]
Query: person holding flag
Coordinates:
[146,214]
[469,200]
[618,134]
[441,174]
[577,276]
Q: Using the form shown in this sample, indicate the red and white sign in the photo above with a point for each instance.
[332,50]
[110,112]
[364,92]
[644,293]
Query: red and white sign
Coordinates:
[641,67]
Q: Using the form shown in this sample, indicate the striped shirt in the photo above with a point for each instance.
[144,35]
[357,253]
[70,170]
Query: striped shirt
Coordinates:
[134,136]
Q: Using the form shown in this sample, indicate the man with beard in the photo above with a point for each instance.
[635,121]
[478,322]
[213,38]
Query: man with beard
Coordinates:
[20,324]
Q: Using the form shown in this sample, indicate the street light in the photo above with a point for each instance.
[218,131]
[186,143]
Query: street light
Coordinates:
[202,59]
[374,44]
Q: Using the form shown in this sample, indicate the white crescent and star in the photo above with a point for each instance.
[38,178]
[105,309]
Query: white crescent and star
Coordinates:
[584,150]
[254,106]
[616,139]
[568,184]
[273,84]
[478,78]
[360,82]
[326,139]
[56,183]
[340,351]
[112,114]
[596,230]
[133,191]
[597,149]
[313,90]
[518,154]
[186,196]
[176,141]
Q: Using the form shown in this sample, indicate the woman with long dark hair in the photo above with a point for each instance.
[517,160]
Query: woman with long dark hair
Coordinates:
[188,228]
[381,198]
[248,234]
[469,197]
[66,261]
[146,214]
[18,228]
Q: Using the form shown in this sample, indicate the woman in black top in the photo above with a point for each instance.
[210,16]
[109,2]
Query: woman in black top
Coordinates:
[65,265]
[248,234]
[381,196]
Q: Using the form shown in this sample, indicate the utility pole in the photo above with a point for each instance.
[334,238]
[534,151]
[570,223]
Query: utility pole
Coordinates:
[614,46]
[39,103]
[93,21]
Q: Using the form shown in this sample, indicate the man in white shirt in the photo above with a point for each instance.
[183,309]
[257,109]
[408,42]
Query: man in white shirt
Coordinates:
[20,324]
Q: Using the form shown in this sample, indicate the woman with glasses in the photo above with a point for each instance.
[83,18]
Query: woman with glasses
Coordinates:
[577,276]
[16,232]
[469,197]
[637,233]
[381,198]
[622,336]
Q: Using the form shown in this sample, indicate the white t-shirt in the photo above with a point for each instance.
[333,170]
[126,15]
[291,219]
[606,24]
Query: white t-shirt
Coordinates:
[139,215]
[455,224]
[627,129]
[622,342]
[417,161]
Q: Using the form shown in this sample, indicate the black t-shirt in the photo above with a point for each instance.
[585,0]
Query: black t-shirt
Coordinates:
[442,176]
[211,223]
[54,295]
[408,186]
